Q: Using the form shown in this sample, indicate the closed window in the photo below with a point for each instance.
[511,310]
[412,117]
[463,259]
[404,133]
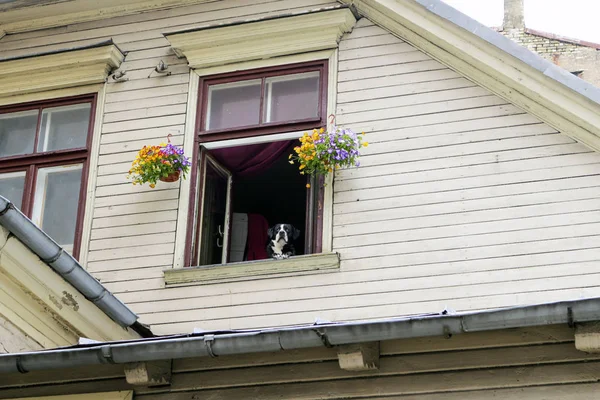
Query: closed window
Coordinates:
[242,190]
[44,150]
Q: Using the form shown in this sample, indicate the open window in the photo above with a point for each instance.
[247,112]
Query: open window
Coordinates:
[214,213]
[243,189]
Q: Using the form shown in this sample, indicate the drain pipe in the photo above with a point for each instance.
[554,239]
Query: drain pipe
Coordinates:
[65,265]
[328,335]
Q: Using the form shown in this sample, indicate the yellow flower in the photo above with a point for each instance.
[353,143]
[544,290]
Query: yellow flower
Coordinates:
[322,130]
[302,166]
[308,185]
[290,157]
[365,144]
[152,185]
[291,162]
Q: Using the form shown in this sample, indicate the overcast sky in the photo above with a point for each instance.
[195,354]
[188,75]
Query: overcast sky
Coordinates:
[574,18]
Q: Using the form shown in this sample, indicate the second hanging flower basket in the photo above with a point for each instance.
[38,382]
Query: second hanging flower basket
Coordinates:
[321,152]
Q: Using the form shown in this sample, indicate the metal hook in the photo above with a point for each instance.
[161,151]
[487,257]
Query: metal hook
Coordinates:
[169,137]
[331,118]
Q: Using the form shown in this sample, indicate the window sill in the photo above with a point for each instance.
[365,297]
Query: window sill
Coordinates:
[248,270]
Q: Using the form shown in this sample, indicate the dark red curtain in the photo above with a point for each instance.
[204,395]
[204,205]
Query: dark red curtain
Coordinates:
[252,159]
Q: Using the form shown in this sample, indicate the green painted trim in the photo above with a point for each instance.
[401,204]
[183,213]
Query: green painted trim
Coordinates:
[252,269]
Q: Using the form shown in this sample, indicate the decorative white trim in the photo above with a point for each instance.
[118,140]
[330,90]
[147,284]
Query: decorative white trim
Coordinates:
[263,39]
[327,234]
[189,137]
[88,216]
[190,132]
[487,65]
[43,16]
[58,71]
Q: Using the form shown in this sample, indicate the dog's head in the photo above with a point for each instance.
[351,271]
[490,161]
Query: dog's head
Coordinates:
[285,232]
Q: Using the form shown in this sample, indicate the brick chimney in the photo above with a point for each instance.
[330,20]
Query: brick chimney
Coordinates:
[514,15]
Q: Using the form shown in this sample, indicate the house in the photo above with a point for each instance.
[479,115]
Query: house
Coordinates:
[580,57]
[458,261]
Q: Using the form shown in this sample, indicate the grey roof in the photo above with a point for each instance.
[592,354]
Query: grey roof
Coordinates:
[219,343]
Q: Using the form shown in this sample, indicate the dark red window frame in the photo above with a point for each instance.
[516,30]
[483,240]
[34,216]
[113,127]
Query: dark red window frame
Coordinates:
[263,128]
[314,197]
[30,163]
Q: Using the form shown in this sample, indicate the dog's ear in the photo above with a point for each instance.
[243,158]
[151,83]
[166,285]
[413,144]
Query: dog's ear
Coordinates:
[271,232]
[295,233]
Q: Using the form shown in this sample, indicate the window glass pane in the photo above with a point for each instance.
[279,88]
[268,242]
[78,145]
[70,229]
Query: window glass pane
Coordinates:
[64,127]
[56,202]
[17,132]
[214,216]
[11,187]
[292,97]
[232,105]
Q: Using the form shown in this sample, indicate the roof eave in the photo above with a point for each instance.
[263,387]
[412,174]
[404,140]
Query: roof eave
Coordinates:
[276,339]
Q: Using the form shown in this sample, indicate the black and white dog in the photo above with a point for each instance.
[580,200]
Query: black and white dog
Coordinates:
[280,241]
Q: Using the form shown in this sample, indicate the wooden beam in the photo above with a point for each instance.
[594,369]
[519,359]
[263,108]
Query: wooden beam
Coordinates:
[64,13]
[123,395]
[155,373]
[587,337]
[359,357]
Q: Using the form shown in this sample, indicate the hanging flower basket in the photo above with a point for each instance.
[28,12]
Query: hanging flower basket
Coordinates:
[323,151]
[164,162]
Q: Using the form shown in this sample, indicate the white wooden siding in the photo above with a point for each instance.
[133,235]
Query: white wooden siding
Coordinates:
[462,200]
[13,340]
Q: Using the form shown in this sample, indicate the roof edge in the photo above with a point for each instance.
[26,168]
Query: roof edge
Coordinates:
[560,38]
[277,339]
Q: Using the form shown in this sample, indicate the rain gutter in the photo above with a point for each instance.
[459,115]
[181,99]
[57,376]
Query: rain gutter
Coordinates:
[328,335]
